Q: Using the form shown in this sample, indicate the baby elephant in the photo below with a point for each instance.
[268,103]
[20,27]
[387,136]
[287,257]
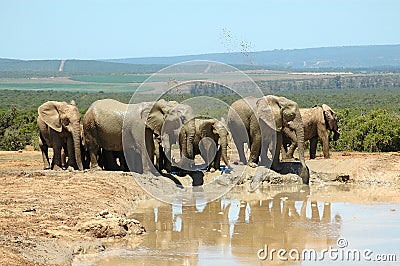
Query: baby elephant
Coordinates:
[211,142]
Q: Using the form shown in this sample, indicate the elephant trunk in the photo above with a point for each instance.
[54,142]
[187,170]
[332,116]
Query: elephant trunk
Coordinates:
[224,147]
[298,125]
[76,136]
[336,132]
[191,132]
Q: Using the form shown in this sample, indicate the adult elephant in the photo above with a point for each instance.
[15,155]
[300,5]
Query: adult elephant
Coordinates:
[59,127]
[103,128]
[317,121]
[259,122]
[211,142]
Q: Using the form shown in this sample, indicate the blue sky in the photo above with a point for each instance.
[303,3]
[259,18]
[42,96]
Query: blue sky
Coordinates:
[89,29]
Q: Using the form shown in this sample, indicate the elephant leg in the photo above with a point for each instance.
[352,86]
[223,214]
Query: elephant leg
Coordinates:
[69,148]
[289,139]
[313,147]
[145,166]
[167,163]
[323,134]
[166,153]
[57,142]
[150,146]
[264,153]
[164,162]
[240,148]
[284,150]
[94,152]
[276,165]
[255,150]
[157,153]
[45,153]
[291,150]
[137,162]
[216,164]
[56,163]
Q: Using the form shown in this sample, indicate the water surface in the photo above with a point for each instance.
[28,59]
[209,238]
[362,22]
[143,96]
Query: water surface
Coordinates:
[232,230]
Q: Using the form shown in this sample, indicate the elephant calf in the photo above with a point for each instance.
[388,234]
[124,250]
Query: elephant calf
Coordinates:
[317,122]
[210,141]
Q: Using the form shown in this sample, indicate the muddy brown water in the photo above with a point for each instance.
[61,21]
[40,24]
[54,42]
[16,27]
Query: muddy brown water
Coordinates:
[343,224]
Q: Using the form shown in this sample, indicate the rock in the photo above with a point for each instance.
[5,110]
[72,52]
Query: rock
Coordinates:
[330,177]
[264,174]
[108,226]
[87,248]
[104,214]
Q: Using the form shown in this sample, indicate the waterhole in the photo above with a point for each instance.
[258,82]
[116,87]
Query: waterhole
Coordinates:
[329,225]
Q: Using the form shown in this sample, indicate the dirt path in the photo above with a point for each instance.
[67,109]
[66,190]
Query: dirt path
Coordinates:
[46,217]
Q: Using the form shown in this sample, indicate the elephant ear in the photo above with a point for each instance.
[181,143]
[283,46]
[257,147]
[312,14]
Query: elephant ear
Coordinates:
[329,116]
[48,112]
[156,116]
[269,111]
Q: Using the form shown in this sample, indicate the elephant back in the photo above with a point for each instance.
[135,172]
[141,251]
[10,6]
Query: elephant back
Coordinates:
[103,121]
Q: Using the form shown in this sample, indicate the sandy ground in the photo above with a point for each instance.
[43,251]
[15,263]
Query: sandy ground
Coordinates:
[47,217]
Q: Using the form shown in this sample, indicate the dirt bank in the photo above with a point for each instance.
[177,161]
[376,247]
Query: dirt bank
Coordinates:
[46,216]
[43,214]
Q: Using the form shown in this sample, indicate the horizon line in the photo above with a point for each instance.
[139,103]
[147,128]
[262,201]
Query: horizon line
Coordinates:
[212,53]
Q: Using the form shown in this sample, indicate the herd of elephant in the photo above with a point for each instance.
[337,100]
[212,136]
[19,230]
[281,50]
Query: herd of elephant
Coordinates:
[139,137]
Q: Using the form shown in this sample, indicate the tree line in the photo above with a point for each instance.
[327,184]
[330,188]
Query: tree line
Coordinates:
[369,122]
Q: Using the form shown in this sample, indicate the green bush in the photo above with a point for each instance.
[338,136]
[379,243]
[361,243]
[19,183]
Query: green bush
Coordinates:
[374,131]
[17,129]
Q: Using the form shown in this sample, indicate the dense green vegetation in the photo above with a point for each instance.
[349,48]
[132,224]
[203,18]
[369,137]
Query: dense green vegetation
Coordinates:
[376,130]
[17,129]
[369,119]
[368,105]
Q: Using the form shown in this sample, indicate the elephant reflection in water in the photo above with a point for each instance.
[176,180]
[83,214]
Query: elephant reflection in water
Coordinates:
[241,228]
[286,225]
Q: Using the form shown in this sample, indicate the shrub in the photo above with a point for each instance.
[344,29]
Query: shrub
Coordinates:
[375,131]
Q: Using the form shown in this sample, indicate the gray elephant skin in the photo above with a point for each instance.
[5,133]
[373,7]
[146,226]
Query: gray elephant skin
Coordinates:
[317,121]
[211,142]
[103,126]
[164,121]
[144,122]
[259,122]
[59,127]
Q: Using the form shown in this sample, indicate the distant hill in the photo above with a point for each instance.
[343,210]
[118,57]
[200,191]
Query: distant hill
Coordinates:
[353,57]
[328,57]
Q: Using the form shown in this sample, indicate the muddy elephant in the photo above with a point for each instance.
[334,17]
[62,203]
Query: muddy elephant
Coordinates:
[317,121]
[211,142]
[59,128]
[259,122]
[103,128]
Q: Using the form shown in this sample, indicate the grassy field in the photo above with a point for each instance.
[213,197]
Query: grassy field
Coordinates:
[111,78]
[71,87]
